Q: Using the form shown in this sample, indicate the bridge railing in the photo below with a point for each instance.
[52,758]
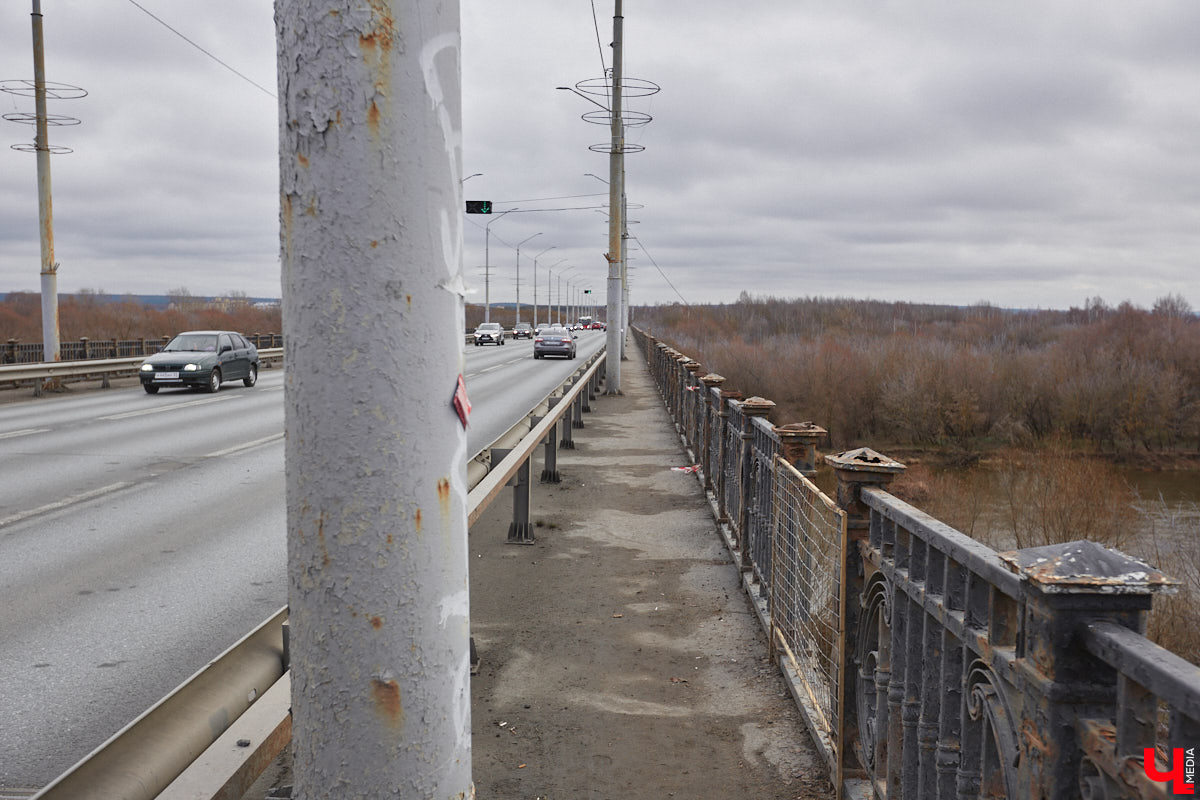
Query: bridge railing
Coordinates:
[17,352]
[926,664]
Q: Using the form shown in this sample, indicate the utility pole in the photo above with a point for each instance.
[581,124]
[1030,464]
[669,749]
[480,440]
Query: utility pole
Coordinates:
[50,347]
[371,243]
[616,173]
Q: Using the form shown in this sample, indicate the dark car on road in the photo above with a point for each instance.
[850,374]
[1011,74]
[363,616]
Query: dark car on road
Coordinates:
[522,330]
[489,333]
[201,360]
[554,341]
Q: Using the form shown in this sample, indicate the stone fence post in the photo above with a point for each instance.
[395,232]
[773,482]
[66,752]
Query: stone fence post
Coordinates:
[856,469]
[799,441]
[1067,587]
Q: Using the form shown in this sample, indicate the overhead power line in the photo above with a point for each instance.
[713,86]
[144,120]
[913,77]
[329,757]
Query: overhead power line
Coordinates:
[660,272]
[145,11]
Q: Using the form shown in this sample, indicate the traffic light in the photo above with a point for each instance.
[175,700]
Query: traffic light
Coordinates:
[479,206]
[587,291]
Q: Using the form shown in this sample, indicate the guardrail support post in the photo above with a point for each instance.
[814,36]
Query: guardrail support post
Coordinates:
[577,411]
[1068,586]
[550,459]
[856,469]
[568,441]
[519,530]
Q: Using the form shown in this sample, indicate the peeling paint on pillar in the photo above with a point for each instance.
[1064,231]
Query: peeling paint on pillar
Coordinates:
[371,235]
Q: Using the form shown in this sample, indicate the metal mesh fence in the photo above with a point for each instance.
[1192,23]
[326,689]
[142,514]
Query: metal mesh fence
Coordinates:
[733,464]
[807,593]
[758,537]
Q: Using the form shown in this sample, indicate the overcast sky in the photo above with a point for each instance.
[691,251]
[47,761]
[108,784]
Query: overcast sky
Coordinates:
[1031,154]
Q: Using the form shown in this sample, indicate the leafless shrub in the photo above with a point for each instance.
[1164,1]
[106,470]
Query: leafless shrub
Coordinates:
[1169,542]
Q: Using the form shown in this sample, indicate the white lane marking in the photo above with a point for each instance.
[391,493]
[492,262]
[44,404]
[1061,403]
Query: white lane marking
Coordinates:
[23,432]
[67,501]
[237,448]
[160,409]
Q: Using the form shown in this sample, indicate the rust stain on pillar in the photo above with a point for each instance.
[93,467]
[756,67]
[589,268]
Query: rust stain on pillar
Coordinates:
[386,695]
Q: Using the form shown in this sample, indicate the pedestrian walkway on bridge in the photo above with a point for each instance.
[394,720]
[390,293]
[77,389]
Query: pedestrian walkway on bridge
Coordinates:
[620,657]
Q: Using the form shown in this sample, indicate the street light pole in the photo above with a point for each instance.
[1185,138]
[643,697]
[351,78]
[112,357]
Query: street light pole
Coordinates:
[550,291]
[535,259]
[560,294]
[523,241]
[487,266]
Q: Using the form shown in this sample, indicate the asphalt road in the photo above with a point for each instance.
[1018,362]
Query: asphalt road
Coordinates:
[142,535]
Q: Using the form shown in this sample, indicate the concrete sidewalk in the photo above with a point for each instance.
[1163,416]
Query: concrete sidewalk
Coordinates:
[619,656]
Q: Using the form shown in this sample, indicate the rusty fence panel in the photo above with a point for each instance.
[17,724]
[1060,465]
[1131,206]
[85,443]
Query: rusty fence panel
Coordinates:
[731,465]
[806,602]
[712,453]
[934,657]
[1017,674]
[1157,708]
[764,449]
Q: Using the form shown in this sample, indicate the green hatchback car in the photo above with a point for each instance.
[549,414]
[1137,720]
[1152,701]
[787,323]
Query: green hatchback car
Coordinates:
[201,360]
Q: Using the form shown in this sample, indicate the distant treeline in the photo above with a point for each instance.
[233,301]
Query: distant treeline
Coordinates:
[98,316]
[102,316]
[875,373]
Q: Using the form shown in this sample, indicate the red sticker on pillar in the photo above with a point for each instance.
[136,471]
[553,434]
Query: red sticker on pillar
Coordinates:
[461,404]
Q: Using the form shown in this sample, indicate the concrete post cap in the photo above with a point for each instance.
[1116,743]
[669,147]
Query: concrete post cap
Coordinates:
[692,366]
[1085,567]
[800,430]
[712,379]
[757,406]
[864,459]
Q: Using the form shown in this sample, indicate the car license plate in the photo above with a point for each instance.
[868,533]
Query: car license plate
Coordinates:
[166,376]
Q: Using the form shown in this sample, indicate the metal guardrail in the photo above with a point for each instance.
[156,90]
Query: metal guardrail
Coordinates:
[144,757]
[925,663]
[214,735]
[92,368]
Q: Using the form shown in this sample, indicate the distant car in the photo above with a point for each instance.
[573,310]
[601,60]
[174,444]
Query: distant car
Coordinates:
[201,360]
[554,341]
[522,330]
[489,333]
[598,326]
